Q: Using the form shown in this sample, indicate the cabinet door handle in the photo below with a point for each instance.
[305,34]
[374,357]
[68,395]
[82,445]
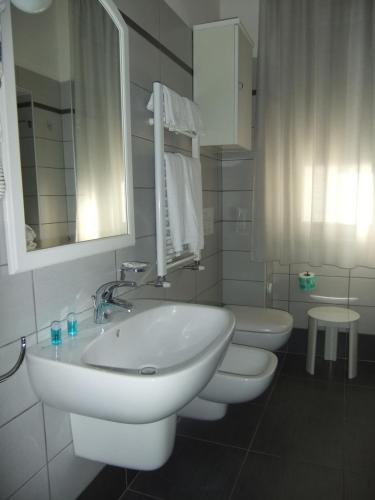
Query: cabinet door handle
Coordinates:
[240,85]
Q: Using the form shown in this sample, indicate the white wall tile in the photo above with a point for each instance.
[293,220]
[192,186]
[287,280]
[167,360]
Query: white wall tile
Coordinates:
[53,234]
[175,34]
[22,450]
[238,174]
[140,116]
[68,286]
[237,205]
[280,287]
[143,163]
[143,12]
[210,173]
[47,124]
[331,290]
[49,153]
[362,292]
[209,277]
[144,212]
[17,306]
[176,77]
[280,268]
[58,431]
[319,270]
[29,184]
[51,181]
[281,304]
[69,474]
[182,285]
[238,266]
[362,272]
[70,181]
[246,293]
[35,489]
[52,209]
[27,152]
[16,393]
[67,126]
[366,322]
[211,297]
[237,236]
[69,161]
[144,61]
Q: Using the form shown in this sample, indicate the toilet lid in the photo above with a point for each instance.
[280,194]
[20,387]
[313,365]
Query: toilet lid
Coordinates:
[260,319]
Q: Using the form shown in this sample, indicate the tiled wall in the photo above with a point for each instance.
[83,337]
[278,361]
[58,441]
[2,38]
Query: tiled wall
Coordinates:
[36,452]
[243,278]
[354,288]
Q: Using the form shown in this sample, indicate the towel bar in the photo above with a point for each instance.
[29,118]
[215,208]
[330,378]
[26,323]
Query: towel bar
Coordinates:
[13,370]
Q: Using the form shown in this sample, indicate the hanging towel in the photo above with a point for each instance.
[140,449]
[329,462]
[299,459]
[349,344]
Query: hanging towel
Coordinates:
[194,235]
[194,117]
[175,180]
[180,114]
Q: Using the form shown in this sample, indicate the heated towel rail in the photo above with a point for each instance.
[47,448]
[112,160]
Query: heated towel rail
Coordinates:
[167,259]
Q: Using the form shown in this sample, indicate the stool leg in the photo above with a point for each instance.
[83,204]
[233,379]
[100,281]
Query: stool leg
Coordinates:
[330,343]
[311,346]
[353,350]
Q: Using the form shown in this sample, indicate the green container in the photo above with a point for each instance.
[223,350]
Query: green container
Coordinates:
[307,281]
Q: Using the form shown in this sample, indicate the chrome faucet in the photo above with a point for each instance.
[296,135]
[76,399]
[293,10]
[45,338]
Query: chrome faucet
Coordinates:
[104,294]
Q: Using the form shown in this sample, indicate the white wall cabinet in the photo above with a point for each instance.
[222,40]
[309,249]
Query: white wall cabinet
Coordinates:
[223,83]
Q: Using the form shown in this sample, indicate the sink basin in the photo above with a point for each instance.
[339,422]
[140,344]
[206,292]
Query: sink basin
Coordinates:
[142,367]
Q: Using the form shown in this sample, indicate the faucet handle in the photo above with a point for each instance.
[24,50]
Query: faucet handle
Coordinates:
[134,266]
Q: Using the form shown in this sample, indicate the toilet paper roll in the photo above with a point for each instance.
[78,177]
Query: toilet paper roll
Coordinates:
[307,281]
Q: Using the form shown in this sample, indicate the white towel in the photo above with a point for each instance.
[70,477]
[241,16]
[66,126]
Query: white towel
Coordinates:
[30,238]
[194,117]
[180,114]
[174,169]
[194,235]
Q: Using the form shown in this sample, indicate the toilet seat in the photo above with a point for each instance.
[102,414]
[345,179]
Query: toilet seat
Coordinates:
[261,327]
[243,375]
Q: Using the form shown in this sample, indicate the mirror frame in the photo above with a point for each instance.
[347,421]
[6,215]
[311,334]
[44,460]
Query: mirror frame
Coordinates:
[14,218]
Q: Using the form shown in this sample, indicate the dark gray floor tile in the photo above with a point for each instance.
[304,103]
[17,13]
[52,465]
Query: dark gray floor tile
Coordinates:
[360,403]
[359,486]
[195,471]
[359,449]
[366,374]
[306,397]
[235,429]
[269,478]
[133,495]
[108,484]
[301,437]
[130,475]
[295,366]
[366,347]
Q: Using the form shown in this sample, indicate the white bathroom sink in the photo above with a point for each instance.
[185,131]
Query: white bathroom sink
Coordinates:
[142,367]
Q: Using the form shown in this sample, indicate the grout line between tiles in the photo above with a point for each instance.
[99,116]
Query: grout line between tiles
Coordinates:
[255,432]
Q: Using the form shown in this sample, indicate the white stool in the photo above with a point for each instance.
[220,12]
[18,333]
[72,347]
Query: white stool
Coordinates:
[332,318]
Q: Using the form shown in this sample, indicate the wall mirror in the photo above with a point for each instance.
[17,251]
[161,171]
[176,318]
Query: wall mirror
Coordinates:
[66,136]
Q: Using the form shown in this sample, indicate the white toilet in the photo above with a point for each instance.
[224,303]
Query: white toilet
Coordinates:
[248,366]
[261,327]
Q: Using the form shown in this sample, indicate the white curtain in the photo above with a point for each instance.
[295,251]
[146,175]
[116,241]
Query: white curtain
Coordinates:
[314,188]
[98,145]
